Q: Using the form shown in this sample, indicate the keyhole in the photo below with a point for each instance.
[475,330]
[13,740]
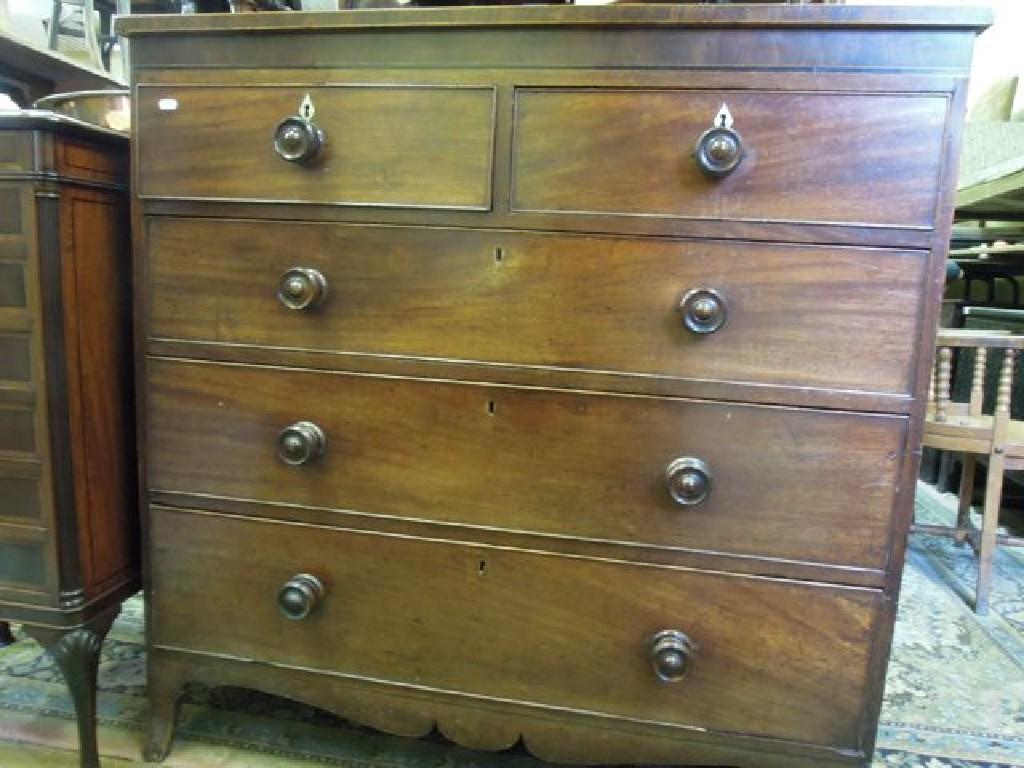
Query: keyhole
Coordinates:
[499,254]
[481,567]
[724,117]
[492,407]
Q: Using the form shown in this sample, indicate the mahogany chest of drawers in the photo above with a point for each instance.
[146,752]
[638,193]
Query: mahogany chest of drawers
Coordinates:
[542,374]
[69,544]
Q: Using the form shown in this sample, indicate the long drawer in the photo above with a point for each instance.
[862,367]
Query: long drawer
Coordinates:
[755,480]
[870,159]
[779,314]
[768,657]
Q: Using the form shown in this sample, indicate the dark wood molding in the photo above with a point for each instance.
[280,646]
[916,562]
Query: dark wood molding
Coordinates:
[765,16]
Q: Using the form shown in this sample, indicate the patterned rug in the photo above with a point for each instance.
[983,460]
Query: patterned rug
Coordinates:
[954,694]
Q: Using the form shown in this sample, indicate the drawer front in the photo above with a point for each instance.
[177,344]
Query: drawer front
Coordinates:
[19,496]
[793,315]
[12,285]
[85,160]
[791,483]
[16,211]
[384,145]
[15,155]
[22,564]
[15,357]
[17,429]
[776,658]
[808,157]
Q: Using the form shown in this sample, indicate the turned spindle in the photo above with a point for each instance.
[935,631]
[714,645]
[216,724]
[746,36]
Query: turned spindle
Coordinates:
[978,381]
[931,385]
[1005,383]
[943,373]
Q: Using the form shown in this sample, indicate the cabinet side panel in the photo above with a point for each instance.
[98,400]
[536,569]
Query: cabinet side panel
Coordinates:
[97,324]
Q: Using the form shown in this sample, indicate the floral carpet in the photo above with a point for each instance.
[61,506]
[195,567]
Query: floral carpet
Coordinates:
[954,693]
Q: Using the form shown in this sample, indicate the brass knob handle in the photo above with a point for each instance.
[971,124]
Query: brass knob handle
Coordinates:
[719,152]
[302,288]
[672,655]
[300,595]
[301,443]
[703,310]
[298,140]
[689,480]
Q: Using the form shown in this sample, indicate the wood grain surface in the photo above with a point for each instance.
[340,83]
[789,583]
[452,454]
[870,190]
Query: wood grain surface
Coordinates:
[799,484]
[813,157]
[512,625]
[502,375]
[795,314]
[99,387]
[385,145]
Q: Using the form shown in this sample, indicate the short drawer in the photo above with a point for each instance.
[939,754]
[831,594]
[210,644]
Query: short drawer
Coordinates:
[16,220]
[22,564]
[12,285]
[17,429]
[790,315]
[15,155]
[387,145]
[15,357]
[776,482]
[19,495]
[871,159]
[768,657]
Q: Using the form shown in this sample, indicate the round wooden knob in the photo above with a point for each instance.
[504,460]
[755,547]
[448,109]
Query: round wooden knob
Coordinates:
[298,140]
[703,310]
[719,152]
[301,443]
[300,595]
[302,288]
[689,480]
[672,654]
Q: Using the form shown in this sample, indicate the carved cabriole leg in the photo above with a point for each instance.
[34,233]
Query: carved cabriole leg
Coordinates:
[164,689]
[77,653]
[6,637]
